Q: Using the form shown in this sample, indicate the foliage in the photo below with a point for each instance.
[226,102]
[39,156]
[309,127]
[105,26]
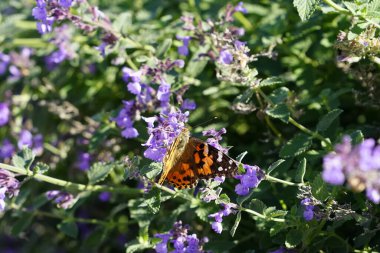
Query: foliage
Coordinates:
[93,92]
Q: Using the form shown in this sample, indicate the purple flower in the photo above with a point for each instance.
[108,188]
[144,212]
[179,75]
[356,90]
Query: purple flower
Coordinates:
[130,75]
[358,165]
[4,62]
[105,196]
[250,179]
[66,3]
[184,49]
[83,161]
[188,104]
[6,149]
[180,239]
[226,57]
[9,185]
[240,8]
[161,136]
[40,13]
[217,224]
[5,114]
[308,213]
[25,139]
[62,199]
[216,136]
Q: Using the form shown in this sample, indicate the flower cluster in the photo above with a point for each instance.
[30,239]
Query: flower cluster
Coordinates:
[62,199]
[8,185]
[358,165]
[251,179]
[168,126]
[6,149]
[308,206]
[217,224]
[46,12]
[26,139]
[216,136]
[18,64]
[180,240]
[65,47]
[147,98]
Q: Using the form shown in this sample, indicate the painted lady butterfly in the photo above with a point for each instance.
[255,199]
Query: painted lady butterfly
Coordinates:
[189,159]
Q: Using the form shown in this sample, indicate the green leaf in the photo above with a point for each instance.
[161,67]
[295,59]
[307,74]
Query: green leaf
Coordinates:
[21,224]
[373,9]
[240,157]
[363,239]
[293,238]
[142,215]
[305,8]
[69,228]
[301,169]
[274,165]
[257,205]
[320,189]
[236,224]
[136,246]
[203,211]
[295,146]
[279,111]
[279,95]
[326,121]
[152,170]
[271,81]
[357,137]
[98,172]
[152,200]
[40,168]
[164,47]
[23,159]
[196,64]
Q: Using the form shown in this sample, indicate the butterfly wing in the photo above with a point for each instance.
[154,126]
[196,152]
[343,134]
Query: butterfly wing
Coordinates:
[210,162]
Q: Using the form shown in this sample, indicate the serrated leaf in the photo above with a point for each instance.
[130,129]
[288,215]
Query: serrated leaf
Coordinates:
[257,205]
[203,211]
[274,165]
[293,238]
[305,8]
[276,214]
[142,215]
[295,146]
[98,172]
[236,224]
[373,9]
[279,111]
[301,169]
[69,228]
[279,95]
[326,121]
[21,224]
[137,247]
[40,168]
[320,189]
[271,81]
[23,159]
[357,137]
[152,170]
[164,47]
[152,200]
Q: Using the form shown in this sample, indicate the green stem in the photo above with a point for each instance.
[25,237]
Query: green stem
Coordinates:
[259,214]
[336,7]
[274,179]
[72,186]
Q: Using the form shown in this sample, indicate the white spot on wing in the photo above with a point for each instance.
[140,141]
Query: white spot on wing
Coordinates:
[220,169]
[231,162]
[220,156]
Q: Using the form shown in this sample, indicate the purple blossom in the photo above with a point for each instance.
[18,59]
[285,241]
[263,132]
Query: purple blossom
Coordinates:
[25,139]
[9,185]
[216,136]
[184,49]
[218,216]
[62,199]
[226,57]
[162,135]
[358,165]
[6,149]
[130,75]
[188,104]
[308,206]
[4,63]
[83,161]
[250,179]
[66,3]
[240,8]
[5,114]
[179,238]
[105,196]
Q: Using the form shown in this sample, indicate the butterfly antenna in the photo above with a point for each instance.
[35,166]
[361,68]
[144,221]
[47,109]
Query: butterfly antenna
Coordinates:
[205,122]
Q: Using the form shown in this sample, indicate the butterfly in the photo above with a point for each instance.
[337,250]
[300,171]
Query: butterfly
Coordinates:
[189,159]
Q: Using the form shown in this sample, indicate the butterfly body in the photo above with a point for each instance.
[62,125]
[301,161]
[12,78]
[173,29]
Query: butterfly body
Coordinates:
[190,159]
